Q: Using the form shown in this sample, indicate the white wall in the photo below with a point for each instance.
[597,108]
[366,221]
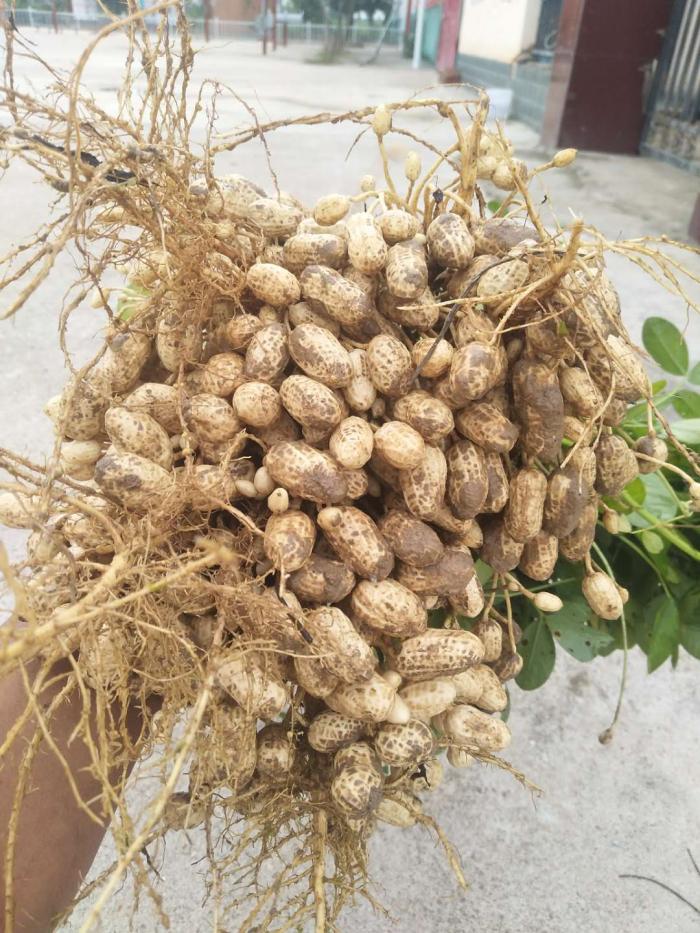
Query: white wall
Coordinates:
[498,29]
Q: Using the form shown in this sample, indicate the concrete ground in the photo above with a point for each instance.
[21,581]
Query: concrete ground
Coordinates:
[551,864]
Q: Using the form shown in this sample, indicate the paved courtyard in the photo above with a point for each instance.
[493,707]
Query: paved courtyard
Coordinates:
[550,865]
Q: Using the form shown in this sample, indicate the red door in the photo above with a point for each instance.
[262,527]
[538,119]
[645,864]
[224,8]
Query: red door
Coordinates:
[449,32]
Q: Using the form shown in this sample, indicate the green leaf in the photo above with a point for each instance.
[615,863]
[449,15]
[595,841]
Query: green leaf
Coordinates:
[659,500]
[694,375]
[131,301]
[665,635]
[494,205]
[690,639]
[652,542]
[687,403]
[483,572]
[666,345]
[538,653]
[687,431]
[571,629]
[637,490]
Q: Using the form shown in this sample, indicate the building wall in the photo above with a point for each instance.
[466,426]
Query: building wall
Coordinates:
[498,29]
[236,9]
[528,81]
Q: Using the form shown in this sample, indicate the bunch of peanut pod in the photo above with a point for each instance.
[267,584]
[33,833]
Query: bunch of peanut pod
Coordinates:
[270,486]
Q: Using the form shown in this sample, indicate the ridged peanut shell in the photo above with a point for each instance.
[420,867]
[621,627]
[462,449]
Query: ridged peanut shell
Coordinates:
[321,355]
[313,677]
[267,355]
[470,602]
[577,543]
[352,442]
[428,698]
[406,270]
[438,652]
[467,685]
[493,697]
[177,342]
[450,243]
[390,365]
[302,313]
[356,540]
[399,809]
[466,725]
[433,355]
[500,551]
[322,580]
[508,666]
[208,486]
[602,595]
[419,313]
[160,401]
[367,249]
[397,225]
[412,541]
[78,412]
[449,575]
[424,486]
[222,374]
[505,277]
[369,701]
[275,218]
[308,249]
[428,415]
[331,208]
[490,634]
[567,495]
[539,556]
[616,465]
[343,300]
[497,495]
[579,391]
[356,791]
[257,404]
[540,407]
[275,752]
[389,608]
[273,284]
[289,539]
[400,445]
[138,483]
[338,644]
[251,681]
[311,403]
[404,744]
[211,418]
[306,472]
[475,369]
[138,433]
[78,458]
[523,513]
[467,480]
[330,731]
[240,329]
[487,426]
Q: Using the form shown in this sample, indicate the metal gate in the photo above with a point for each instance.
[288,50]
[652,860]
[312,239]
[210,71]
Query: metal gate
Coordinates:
[672,129]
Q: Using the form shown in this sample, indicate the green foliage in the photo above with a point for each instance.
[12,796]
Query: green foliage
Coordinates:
[666,345]
[538,653]
[131,300]
[656,555]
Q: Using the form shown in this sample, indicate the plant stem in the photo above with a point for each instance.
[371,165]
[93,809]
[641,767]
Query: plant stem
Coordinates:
[673,537]
[607,734]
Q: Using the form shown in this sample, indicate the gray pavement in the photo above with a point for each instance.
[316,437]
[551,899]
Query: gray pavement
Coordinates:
[550,865]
